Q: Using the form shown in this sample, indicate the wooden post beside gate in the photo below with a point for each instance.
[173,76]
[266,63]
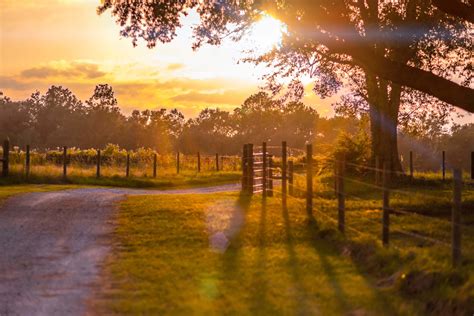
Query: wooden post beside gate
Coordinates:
[309,179]
[283,172]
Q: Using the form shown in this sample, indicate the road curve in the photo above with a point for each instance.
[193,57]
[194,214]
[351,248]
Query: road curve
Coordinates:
[52,245]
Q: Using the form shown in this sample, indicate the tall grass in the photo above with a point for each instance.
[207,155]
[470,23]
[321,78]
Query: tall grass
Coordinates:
[47,167]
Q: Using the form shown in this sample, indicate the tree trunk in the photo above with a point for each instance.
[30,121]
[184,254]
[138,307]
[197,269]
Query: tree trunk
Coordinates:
[384,102]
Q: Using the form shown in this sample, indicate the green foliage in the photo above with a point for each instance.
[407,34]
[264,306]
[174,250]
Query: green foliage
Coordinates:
[355,149]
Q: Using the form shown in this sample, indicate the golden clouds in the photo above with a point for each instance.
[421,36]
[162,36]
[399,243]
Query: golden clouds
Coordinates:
[66,70]
[136,86]
[64,42]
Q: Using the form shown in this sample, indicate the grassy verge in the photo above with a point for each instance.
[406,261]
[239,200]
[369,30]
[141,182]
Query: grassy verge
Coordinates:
[418,263]
[115,177]
[9,190]
[222,254]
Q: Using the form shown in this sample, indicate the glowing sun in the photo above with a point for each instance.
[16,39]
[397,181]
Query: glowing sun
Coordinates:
[266,33]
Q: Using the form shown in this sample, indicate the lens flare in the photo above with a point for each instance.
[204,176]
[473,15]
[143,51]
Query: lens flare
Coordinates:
[266,33]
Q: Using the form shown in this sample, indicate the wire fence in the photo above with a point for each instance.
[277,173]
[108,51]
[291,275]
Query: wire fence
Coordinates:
[110,161]
[394,219]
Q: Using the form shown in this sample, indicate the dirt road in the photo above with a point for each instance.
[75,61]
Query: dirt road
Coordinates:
[52,245]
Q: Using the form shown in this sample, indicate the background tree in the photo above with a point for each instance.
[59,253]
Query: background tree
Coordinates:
[57,116]
[15,119]
[259,118]
[104,118]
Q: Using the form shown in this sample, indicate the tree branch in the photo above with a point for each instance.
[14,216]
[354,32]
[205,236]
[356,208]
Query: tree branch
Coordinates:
[402,74]
[456,8]
[424,81]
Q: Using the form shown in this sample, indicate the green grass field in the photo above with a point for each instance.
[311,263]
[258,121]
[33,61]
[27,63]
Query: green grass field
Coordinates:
[227,254]
[222,254]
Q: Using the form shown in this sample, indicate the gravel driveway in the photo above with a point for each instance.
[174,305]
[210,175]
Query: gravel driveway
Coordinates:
[52,245]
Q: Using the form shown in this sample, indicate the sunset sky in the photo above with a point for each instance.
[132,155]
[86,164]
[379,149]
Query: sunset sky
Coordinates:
[64,42]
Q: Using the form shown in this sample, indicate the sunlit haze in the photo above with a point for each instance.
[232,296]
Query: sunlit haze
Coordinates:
[66,43]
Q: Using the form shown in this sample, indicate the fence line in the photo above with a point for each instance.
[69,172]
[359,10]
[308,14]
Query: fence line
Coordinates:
[383,183]
[99,159]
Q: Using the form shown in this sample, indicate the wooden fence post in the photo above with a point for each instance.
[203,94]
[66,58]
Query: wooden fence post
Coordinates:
[264,171]
[244,168]
[64,162]
[217,162]
[270,175]
[443,165]
[456,218]
[27,162]
[127,169]
[411,165]
[199,161]
[155,164]
[472,165]
[98,163]
[377,170]
[284,172]
[290,178]
[6,158]
[251,169]
[341,198]
[177,162]
[386,205]
[309,179]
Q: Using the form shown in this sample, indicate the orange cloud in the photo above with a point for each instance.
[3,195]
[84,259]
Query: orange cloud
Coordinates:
[81,70]
[226,97]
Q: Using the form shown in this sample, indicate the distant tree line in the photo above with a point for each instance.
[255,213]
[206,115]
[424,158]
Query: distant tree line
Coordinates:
[58,118]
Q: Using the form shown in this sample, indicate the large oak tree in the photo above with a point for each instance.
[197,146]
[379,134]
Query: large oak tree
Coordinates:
[387,53]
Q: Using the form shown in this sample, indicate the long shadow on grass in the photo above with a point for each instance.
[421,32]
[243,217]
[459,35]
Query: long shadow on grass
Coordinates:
[260,283]
[293,264]
[322,249]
